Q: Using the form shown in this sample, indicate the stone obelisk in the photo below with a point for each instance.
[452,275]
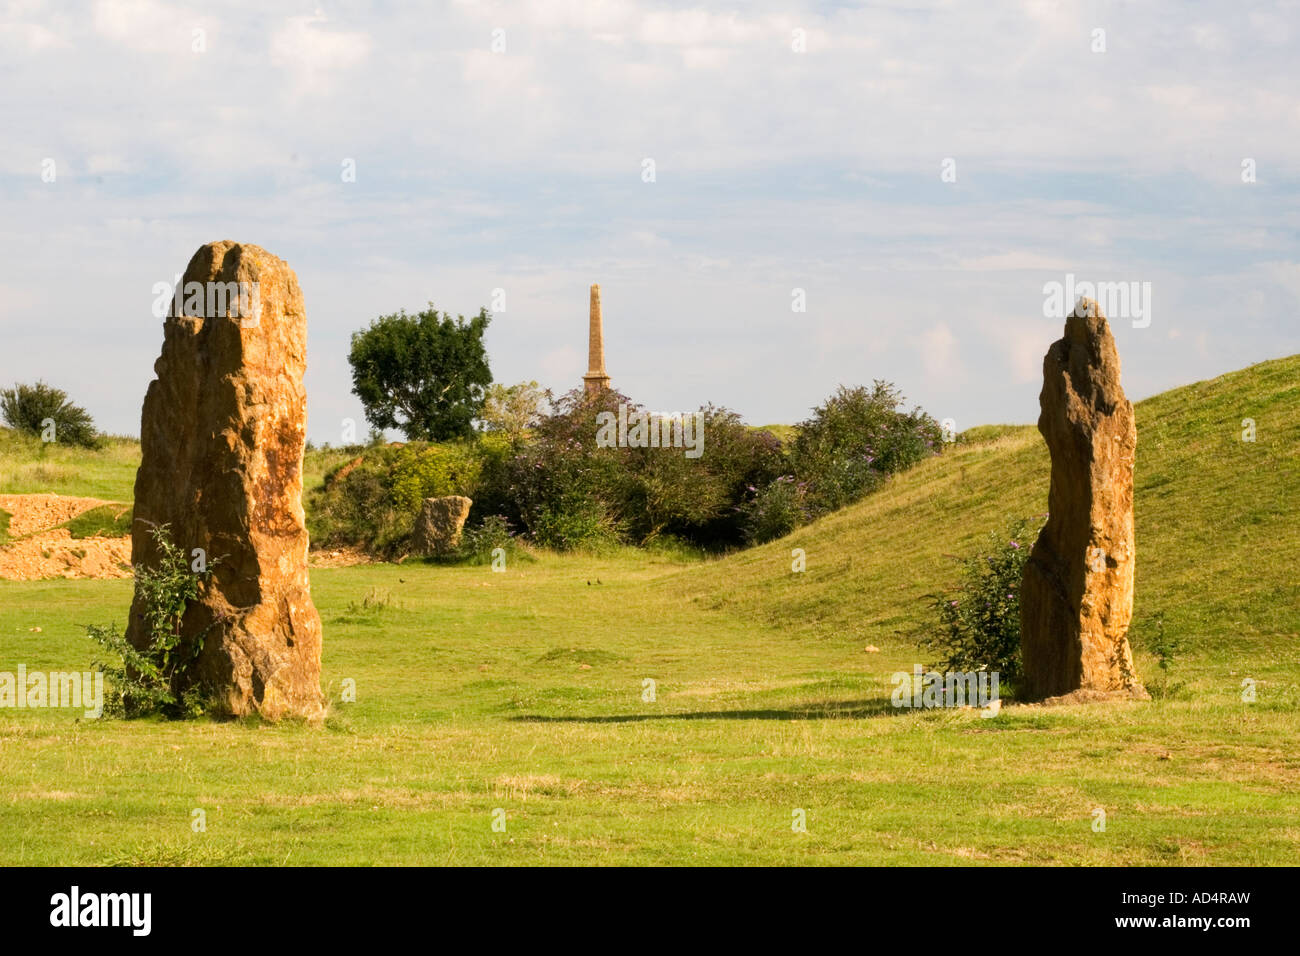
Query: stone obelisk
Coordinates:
[596,378]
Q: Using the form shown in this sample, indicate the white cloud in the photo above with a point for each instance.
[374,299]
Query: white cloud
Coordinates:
[696,28]
[18,38]
[939,352]
[776,169]
[562,365]
[146,25]
[1018,260]
[1285,275]
[312,54]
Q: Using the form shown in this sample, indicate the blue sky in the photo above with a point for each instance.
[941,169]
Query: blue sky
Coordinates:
[521,169]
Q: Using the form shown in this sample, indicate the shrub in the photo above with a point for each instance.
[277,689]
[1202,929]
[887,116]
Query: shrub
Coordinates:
[477,544]
[855,439]
[29,409]
[372,501]
[145,680]
[511,410]
[560,487]
[576,523]
[775,510]
[565,490]
[1166,649]
[354,508]
[374,601]
[979,619]
[736,458]
[431,471]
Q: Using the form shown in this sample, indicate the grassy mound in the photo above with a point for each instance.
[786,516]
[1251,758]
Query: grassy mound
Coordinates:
[1217,522]
[106,521]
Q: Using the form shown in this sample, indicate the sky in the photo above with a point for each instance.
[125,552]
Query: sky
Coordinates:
[919,171]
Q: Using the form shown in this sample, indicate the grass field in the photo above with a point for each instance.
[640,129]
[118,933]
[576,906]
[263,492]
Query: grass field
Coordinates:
[523,692]
[29,466]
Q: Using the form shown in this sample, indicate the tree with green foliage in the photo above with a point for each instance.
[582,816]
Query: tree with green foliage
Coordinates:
[425,374]
[512,410]
[46,412]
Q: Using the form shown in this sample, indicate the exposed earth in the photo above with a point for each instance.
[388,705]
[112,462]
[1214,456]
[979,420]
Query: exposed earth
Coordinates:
[40,548]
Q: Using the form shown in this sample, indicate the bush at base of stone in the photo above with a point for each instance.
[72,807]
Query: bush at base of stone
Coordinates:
[979,619]
[143,683]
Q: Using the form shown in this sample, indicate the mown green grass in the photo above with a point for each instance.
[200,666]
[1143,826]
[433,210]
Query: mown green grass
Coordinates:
[472,695]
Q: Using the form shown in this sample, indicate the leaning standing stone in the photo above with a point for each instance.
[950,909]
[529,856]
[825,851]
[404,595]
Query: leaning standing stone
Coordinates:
[1076,598]
[222,437]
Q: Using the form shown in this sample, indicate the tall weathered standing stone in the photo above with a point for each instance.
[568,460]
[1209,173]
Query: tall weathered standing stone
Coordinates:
[1076,599]
[222,437]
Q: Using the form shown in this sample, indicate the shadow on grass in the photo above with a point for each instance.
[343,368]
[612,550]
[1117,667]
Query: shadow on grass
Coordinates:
[840,710]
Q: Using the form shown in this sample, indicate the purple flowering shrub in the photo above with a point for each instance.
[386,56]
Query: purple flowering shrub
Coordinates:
[559,487]
[855,440]
[978,626]
[566,492]
[776,509]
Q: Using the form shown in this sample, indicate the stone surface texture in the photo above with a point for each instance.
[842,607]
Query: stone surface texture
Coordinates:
[437,529]
[222,436]
[1076,597]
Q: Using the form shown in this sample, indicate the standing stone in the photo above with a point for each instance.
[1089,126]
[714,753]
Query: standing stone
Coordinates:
[437,529]
[1076,598]
[222,437]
